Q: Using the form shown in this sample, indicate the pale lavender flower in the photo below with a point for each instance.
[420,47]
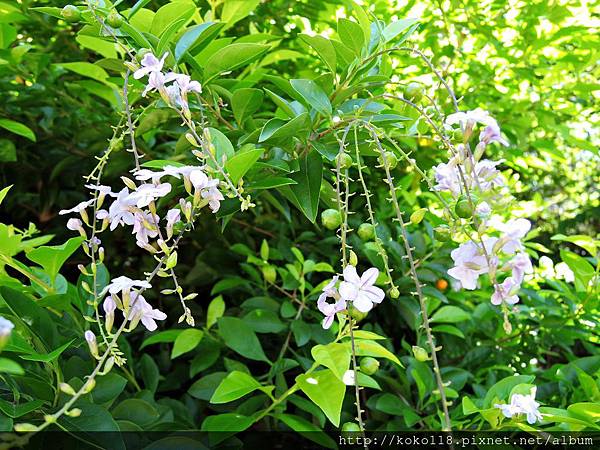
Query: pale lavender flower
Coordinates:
[104,190]
[329,310]
[470,262]
[505,292]
[74,224]
[483,210]
[361,291]
[145,226]
[123,283]
[468,119]
[522,404]
[109,305]
[487,175]
[120,211]
[513,231]
[199,179]
[521,265]
[213,195]
[173,216]
[491,133]
[150,64]
[447,177]
[80,207]
[142,311]
[147,193]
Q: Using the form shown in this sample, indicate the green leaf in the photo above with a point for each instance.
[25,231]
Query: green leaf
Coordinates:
[324,49]
[196,38]
[165,39]
[94,418]
[397,27]
[278,129]
[587,410]
[372,348]
[236,385]
[231,423]
[47,357]
[582,269]
[305,194]
[162,336]
[18,128]
[313,94]
[52,258]
[270,182]
[10,366]
[351,34]
[236,10]
[216,308]
[334,356]
[3,193]
[450,314]
[87,69]
[449,329]
[135,8]
[241,162]
[326,391]
[15,411]
[585,242]
[223,147]
[137,411]
[233,57]
[240,338]
[171,12]
[501,390]
[307,429]
[186,341]
[245,102]
[108,388]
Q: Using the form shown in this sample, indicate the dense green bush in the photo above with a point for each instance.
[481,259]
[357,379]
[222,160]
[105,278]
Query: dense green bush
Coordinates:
[259,148]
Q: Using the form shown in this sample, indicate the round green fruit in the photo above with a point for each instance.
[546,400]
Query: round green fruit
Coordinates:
[369,365]
[71,13]
[464,206]
[114,19]
[413,91]
[394,293]
[442,233]
[350,427]
[366,231]
[331,219]
[390,159]
[344,160]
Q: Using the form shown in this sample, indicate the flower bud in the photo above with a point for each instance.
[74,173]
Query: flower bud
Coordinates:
[331,219]
[417,216]
[66,388]
[442,233]
[352,259]
[420,353]
[75,412]
[394,293]
[109,305]
[366,231]
[90,337]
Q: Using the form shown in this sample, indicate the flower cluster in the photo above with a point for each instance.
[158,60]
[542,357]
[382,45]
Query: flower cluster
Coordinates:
[174,94]
[522,404]
[361,292]
[478,189]
[135,206]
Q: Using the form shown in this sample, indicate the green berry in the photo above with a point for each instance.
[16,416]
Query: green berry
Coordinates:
[71,13]
[353,259]
[394,293]
[114,19]
[420,353]
[366,231]
[349,428]
[331,219]
[442,233]
[369,365]
[458,135]
[413,91]
[464,206]
[390,159]
[344,160]
[269,274]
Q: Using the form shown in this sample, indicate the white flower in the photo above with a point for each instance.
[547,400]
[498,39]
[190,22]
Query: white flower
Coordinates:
[521,265]
[105,190]
[198,179]
[483,210]
[447,177]
[186,84]
[349,378]
[147,193]
[563,271]
[513,231]
[330,309]
[469,118]
[361,291]
[145,226]
[120,211]
[522,404]
[74,224]
[77,208]
[142,311]
[6,327]
[213,195]
[470,262]
[505,292]
[124,283]
[173,216]
[487,175]
[150,64]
